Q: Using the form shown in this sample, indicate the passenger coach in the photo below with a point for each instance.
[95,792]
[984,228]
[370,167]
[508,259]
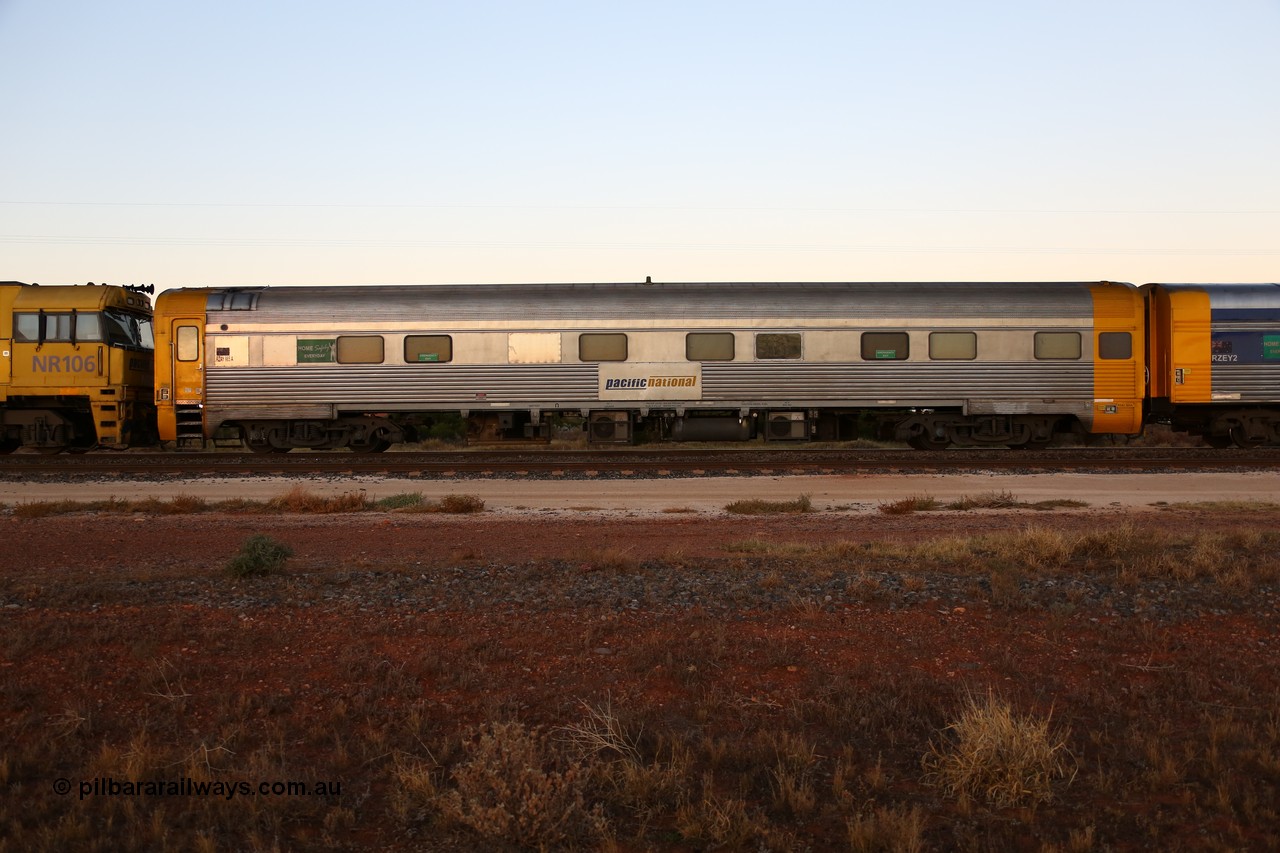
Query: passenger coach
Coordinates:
[932,363]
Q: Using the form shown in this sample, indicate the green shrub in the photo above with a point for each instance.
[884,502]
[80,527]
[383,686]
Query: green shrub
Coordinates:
[259,555]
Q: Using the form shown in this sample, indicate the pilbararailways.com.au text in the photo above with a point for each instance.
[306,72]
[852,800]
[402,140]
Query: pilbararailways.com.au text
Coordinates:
[184,787]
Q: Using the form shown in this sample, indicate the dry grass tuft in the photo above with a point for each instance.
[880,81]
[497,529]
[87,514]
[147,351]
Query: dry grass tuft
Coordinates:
[451,504]
[999,757]
[763,507]
[300,500]
[514,788]
[987,500]
[908,505]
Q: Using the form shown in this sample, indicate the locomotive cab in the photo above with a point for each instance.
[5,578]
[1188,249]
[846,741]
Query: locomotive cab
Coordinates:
[75,367]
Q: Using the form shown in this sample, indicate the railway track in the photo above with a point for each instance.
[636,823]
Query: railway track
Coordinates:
[640,462]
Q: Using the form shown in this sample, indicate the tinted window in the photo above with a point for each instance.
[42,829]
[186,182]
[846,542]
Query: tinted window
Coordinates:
[953,345]
[602,347]
[1115,345]
[708,346]
[884,346]
[1057,345]
[428,348]
[360,349]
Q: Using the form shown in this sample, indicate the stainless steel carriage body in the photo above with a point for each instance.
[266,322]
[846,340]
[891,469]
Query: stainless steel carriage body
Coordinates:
[620,352]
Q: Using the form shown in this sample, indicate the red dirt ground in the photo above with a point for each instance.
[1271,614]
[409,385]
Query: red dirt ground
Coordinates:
[111,620]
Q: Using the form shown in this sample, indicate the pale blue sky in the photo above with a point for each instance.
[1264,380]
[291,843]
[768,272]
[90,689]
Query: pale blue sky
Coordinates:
[321,142]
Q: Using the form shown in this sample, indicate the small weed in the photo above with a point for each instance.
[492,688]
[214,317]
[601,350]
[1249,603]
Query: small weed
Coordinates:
[259,555]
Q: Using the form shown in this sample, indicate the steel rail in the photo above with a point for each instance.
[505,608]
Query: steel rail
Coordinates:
[629,462]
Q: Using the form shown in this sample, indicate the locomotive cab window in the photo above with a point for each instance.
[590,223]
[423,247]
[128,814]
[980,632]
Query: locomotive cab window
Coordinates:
[428,348]
[602,347]
[960,346]
[360,349]
[708,346]
[1115,345]
[771,345]
[885,346]
[62,327]
[1057,345]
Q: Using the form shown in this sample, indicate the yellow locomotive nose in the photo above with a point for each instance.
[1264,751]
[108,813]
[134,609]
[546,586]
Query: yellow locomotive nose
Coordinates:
[78,364]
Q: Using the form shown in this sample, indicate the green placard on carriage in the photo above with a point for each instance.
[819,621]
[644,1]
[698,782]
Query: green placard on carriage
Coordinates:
[1271,347]
[317,351]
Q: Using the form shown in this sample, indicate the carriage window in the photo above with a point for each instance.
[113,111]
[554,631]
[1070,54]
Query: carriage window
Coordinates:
[360,349]
[602,347]
[1115,345]
[884,346]
[778,346]
[953,345]
[1057,345]
[428,348]
[708,346]
[188,343]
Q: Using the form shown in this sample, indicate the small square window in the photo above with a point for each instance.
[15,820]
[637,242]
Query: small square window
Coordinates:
[771,345]
[960,346]
[1057,345]
[360,349]
[1118,345]
[602,347]
[885,346]
[428,349]
[708,346]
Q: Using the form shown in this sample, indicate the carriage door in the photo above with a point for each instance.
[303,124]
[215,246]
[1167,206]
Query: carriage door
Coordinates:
[180,379]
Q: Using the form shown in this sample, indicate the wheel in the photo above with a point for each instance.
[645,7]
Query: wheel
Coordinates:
[926,441]
[1219,442]
[1242,439]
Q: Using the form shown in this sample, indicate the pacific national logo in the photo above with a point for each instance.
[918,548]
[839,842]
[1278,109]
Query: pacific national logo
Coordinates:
[644,383]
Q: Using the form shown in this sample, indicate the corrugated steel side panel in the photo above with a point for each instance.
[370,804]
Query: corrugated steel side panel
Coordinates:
[908,383]
[1253,383]
[398,386]
[469,306]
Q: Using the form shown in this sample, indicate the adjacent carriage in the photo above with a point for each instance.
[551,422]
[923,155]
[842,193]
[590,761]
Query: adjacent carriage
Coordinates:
[1215,361]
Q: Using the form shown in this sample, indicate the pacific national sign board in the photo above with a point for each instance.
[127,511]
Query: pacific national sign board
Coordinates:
[651,381]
